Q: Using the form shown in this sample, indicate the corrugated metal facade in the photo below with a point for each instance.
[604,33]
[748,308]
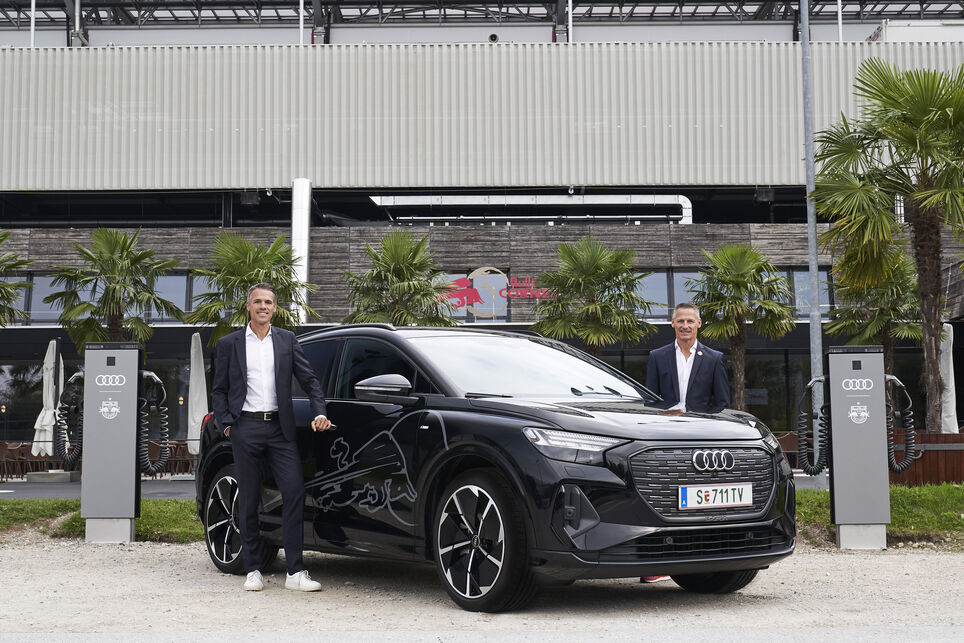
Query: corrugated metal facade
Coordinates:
[421,115]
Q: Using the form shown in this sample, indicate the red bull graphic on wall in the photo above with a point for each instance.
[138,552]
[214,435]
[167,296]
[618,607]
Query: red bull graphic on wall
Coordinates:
[485,293]
[464,293]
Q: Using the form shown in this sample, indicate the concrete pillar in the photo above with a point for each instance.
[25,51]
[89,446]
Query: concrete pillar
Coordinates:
[301,232]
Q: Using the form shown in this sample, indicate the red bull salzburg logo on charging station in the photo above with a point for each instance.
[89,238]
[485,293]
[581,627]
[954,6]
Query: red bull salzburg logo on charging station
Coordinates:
[486,291]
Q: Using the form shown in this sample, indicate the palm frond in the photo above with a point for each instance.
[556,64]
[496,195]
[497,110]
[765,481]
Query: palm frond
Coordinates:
[115,283]
[404,286]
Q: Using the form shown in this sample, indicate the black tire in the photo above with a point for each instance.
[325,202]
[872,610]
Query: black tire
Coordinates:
[481,553]
[220,521]
[716,582]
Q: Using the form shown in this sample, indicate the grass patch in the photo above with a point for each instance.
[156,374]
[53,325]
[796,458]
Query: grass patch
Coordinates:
[929,513]
[162,521]
[18,513]
[165,521]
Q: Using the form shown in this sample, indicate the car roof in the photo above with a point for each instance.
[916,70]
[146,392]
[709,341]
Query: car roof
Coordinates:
[413,331]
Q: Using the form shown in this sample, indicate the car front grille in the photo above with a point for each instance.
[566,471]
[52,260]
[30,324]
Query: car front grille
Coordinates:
[658,474]
[698,543]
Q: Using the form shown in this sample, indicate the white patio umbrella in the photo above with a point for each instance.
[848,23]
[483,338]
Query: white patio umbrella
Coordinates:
[197,396]
[43,436]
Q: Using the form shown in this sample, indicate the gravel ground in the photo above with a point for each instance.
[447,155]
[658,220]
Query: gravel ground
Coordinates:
[173,592]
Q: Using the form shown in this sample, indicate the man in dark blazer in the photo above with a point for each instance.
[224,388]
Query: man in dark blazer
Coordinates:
[704,382]
[251,396]
[690,367]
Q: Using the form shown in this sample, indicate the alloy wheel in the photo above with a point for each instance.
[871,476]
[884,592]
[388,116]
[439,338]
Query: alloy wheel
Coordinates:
[471,541]
[220,521]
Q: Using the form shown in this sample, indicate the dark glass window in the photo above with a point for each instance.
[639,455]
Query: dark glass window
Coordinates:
[802,292]
[321,355]
[655,288]
[766,389]
[200,285]
[17,303]
[364,358]
[172,288]
[681,291]
[39,311]
[634,365]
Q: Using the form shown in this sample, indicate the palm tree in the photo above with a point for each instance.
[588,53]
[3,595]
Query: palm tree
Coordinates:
[106,298]
[404,286]
[906,149]
[741,287]
[10,262]
[238,265]
[596,296]
[880,313]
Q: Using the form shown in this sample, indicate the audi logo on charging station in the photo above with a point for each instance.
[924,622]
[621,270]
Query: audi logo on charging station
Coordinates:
[110,380]
[854,384]
[715,460]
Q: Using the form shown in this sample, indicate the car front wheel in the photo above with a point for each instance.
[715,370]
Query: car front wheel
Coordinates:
[480,544]
[220,520]
[716,582]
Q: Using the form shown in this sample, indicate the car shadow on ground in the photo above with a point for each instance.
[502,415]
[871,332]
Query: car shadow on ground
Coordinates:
[420,582]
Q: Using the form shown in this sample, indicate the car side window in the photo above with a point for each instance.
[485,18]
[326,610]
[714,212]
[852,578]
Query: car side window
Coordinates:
[320,355]
[364,358]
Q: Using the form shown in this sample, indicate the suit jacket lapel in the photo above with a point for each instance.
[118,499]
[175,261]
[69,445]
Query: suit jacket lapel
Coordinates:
[697,362]
[240,351]
[278,347]
[673,371]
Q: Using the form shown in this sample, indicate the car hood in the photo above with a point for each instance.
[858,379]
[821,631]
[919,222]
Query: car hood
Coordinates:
[630,419]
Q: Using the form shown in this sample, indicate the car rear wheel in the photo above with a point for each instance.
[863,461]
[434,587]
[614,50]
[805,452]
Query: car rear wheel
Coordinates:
[716,582]
[220,520]
[480,544]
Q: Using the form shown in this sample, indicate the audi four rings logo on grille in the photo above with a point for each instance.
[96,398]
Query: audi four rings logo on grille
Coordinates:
[110,380]
[857,385]
[715,460]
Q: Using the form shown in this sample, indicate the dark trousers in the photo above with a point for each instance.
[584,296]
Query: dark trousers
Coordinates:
[254,442]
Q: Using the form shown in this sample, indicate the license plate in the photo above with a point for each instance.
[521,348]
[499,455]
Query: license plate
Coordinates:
[709,496]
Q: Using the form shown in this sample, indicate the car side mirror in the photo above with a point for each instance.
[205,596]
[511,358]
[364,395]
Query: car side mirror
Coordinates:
[391,388]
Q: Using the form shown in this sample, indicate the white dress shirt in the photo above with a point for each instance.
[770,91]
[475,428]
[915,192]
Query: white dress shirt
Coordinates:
[262,394]
[684,366]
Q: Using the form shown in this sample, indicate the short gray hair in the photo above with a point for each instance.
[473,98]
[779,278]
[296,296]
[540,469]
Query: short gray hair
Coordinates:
[262,286]
[690,305]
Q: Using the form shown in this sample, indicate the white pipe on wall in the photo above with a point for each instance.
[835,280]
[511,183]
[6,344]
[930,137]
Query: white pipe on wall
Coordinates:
[301,232]
[686,206]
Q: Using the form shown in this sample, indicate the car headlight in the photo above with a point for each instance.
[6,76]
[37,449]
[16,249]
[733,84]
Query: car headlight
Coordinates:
[570,447]
[771,441]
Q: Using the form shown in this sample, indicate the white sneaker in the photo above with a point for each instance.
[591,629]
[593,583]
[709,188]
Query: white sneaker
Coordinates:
[301,582]
[254,582]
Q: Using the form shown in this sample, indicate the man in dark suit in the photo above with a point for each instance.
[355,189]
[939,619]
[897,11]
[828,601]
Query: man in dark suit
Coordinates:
[251,396]
[686,374]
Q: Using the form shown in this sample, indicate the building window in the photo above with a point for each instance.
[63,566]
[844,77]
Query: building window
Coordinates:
[800,279]
[172,288]
[200,285]
[682,291]
[40,312]
[654,287]
[17,303]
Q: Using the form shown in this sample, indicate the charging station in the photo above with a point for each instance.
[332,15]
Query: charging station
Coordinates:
[111,484]
[859,482]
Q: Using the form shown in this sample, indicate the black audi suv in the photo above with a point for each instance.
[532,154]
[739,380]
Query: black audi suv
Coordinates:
[512,461]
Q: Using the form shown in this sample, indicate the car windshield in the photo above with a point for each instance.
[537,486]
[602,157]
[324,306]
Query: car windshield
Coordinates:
[487,365]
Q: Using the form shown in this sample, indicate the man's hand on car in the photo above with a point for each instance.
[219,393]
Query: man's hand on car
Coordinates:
[320,423]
